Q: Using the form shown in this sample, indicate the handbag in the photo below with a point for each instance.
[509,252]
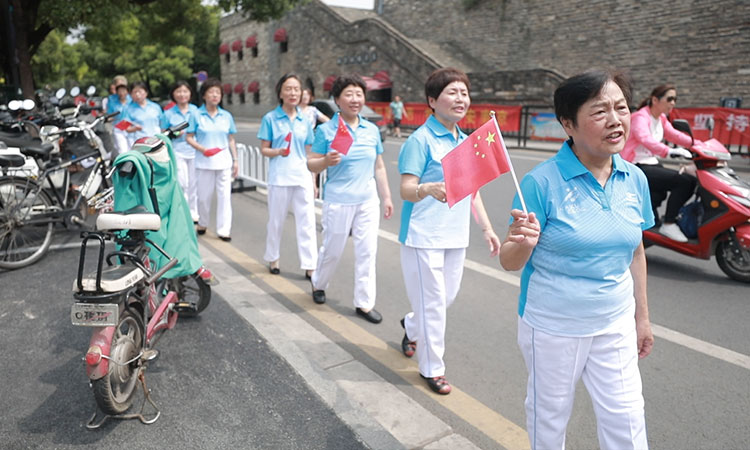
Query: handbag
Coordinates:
[690,218]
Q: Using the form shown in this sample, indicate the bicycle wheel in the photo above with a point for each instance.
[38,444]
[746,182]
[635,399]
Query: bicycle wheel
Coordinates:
[23,242]
[114,392]
[194,290]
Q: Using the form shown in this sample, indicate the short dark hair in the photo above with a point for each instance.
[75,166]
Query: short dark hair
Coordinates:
[208,84]
[658,92]
[177,85]
[140,84]
[578,89]
[440,78]
[343,81]
[281,82]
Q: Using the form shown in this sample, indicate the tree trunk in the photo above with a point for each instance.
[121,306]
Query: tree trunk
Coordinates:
[22,48]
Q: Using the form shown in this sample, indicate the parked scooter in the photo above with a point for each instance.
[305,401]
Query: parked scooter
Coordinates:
[723,212]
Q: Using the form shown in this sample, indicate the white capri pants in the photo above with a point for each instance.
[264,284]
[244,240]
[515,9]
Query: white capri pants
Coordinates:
[219,181]
[121,141]
[363,220]
[303,208]
[188,180]
[432,278]
[608,364]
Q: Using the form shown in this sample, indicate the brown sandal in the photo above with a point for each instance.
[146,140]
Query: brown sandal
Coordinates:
[438,384]
[408,348]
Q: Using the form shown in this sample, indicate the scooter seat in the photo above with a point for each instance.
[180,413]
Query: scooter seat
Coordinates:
[12,161]
[114,279]
[128,221]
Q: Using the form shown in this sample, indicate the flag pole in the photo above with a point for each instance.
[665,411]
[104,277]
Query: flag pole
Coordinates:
[510,163]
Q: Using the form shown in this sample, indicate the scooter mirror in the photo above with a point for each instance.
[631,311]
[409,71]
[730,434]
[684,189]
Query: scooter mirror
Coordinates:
[682,125]
[60,93]
[28,104]
[14,105]
[74,91]
[91,90]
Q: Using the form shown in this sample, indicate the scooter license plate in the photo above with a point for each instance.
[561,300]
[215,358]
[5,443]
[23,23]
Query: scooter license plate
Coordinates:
[94,314]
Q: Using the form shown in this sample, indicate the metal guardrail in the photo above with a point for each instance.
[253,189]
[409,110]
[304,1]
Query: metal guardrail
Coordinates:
[253,171]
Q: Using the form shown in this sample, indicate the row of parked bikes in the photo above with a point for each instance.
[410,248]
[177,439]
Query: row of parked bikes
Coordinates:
[58,172]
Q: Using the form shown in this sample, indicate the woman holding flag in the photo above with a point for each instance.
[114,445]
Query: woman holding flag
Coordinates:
[433,235]
[349,147]
[583,311]
[285,137]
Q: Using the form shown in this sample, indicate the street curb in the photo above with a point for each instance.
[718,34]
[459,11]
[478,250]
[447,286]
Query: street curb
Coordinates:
[380,414]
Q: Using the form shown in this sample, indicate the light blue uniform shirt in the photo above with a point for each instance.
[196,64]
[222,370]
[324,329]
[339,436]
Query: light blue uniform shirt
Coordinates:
[114,105]
[173,116]
[287,170]
[212,132]
[351,181]
[149,117]
[577,281]
[429,223]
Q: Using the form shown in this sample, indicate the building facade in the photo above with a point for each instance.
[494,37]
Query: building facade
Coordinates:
[515,51]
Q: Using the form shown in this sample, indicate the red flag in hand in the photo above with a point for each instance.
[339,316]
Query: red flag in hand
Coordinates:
[211,152]
[169,105]
[343,139]
[476,161]
[288,140]
[123,125]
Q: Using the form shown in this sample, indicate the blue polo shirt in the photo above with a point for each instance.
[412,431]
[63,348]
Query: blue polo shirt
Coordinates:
[351,181]
[114,105]
[287,170]
[429,223]
[149,117]
[173,116]
[577,281]
[212,132]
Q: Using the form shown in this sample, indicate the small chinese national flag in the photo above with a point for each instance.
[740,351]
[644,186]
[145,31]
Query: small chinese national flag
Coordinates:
[169,106]
[123,125]
[343,139]
[288,140]
[476,161]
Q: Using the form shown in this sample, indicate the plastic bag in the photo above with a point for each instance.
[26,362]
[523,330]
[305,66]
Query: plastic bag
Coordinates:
[690,218]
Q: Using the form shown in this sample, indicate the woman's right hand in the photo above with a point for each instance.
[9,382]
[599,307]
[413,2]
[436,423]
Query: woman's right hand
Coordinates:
[435,189]
[332,158]
[525,228]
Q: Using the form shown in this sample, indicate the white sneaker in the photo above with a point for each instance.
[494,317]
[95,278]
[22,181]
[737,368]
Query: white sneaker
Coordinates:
[672,231]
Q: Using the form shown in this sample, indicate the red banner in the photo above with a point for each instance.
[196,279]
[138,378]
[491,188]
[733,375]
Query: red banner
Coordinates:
[508,117]
[731,126]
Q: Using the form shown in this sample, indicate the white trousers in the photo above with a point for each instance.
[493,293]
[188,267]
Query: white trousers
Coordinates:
[608,364]
[121,141]
[219,181]
[303,208]
[363,221]
[188,181]
[432,278]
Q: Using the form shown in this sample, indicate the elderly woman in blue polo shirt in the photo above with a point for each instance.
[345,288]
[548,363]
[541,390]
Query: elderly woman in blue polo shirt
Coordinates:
[285,137]
[181,93]
[210,132]
[350,195]
[583,307]
[116,103]
[434,237]
[145,116]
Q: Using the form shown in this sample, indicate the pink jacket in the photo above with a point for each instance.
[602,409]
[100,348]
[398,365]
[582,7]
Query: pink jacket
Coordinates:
[640,134]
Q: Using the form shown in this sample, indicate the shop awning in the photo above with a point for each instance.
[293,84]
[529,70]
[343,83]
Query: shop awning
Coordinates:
[279,35]
[224,49]
[253,86]
[237,45]
[238,88]
[328,83]
[373,84]
[251,41]
[383,75]
[227,87]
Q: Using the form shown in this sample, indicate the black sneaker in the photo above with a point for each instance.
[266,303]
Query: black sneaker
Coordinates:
[319,296]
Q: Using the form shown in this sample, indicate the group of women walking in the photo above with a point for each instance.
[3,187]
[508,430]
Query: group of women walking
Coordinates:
[575,228]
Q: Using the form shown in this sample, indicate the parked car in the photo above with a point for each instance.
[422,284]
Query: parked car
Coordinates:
[329,108]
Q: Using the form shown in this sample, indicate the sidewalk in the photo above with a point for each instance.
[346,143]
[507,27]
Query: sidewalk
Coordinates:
[379,413]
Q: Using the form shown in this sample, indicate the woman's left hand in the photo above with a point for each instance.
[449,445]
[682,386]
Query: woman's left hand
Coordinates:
[645,337]
[387,208]
[493,241]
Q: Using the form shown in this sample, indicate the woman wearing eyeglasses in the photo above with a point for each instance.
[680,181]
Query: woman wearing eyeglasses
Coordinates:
[649,127]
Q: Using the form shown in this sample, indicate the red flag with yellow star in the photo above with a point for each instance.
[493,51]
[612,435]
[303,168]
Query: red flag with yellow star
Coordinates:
[476,161]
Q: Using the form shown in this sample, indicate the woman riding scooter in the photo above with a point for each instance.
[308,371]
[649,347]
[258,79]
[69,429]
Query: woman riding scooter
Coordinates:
[649,126]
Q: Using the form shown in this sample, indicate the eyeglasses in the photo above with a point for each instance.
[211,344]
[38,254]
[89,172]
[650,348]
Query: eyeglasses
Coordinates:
[671,98]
